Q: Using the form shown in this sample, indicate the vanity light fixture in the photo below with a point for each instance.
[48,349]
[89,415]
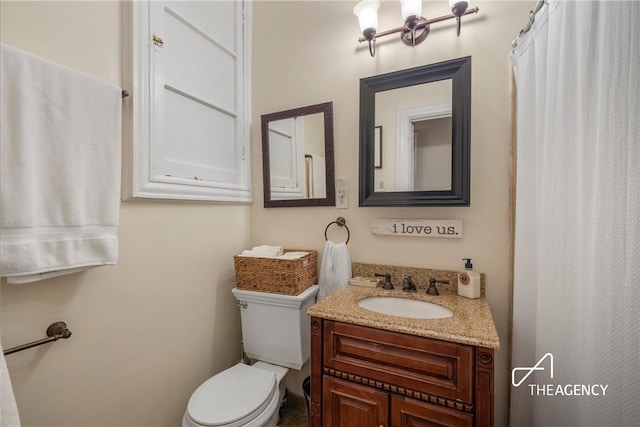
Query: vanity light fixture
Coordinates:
[416,27]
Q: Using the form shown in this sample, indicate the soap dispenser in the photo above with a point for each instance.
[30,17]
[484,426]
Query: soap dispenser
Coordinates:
[469,281]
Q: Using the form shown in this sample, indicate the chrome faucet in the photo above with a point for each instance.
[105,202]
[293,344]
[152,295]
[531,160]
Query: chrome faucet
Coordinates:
[432,290]
[408,285]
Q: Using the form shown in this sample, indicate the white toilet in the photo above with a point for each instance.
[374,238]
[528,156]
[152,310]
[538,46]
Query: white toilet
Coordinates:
[275,332]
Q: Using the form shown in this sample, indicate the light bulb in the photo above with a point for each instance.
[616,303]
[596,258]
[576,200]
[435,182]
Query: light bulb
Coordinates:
[410,8]
[367,13]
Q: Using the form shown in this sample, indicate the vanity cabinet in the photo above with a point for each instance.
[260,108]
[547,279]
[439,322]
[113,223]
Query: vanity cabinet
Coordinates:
[364,376]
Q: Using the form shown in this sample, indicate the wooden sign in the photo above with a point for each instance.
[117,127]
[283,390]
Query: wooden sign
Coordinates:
[448,228]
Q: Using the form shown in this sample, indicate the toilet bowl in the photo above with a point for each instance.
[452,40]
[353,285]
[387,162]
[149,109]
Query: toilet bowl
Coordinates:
[276,333]
[243,395]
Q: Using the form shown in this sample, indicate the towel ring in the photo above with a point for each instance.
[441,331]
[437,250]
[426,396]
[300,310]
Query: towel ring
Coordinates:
[340,221]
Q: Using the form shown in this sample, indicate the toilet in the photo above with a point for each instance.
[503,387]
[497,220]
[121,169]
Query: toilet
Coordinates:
[276,334]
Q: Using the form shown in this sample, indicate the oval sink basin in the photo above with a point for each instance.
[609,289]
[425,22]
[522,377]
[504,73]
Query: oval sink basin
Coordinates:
[403,307]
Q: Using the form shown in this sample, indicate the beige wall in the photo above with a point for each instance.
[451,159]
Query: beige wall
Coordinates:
[149,330]
[306,53]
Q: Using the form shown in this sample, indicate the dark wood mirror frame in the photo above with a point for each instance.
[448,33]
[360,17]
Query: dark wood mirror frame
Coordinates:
[459,71]
[330,199]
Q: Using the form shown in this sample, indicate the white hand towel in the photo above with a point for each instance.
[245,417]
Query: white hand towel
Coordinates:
[263,251]
[274,250]
[8,408]
[335,270]
[59,168]
[292,255]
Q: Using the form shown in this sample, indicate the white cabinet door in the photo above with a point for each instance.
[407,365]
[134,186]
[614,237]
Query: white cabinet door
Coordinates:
[191,104]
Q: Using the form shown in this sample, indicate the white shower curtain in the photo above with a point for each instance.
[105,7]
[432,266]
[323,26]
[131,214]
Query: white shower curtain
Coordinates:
[577,247]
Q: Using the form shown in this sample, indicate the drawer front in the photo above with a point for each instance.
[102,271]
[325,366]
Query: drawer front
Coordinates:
[421,364]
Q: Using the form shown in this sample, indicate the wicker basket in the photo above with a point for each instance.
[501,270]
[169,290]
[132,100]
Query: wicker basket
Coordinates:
[277,276]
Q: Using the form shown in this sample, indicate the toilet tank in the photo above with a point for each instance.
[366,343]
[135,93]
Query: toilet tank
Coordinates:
[276,328]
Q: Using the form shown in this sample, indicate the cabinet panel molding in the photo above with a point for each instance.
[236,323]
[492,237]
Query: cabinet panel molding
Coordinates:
[413,413]
[417,363]
[347,404]
[484,383]
[403,391]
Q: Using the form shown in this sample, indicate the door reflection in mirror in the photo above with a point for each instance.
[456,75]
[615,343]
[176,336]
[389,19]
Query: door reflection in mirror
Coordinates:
[417,128]
[431,151]
[296,153]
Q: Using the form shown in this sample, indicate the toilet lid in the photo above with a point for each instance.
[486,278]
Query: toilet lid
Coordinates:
[232,397]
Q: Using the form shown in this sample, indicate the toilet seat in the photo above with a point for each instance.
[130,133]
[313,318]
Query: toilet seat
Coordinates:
[233,397]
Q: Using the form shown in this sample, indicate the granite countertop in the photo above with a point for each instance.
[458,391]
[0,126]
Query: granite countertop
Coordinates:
[471,323]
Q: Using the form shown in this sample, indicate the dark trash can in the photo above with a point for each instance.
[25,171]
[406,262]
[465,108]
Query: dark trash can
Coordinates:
[306,389]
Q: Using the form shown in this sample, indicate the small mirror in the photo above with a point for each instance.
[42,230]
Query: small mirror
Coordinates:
[297,154]
[414,136]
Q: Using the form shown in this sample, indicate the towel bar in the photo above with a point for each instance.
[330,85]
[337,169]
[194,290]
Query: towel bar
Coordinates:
[340,221]
[55,331]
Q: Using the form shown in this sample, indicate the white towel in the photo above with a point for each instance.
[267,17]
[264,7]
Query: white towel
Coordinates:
[60,168]
[319,182]
[263,251]
[8,408]
[292,255]
[335,270]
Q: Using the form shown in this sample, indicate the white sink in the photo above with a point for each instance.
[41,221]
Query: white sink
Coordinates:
[403,307]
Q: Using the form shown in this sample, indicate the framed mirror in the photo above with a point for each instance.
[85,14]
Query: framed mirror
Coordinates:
[423,115]
[297,157]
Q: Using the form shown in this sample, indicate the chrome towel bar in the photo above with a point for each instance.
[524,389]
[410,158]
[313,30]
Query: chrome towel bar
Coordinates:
[55,331]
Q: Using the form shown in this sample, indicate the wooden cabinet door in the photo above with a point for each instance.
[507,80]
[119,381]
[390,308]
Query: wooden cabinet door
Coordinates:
[347,404]
[407,412]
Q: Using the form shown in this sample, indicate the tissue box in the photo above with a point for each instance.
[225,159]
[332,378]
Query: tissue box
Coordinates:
[277,276]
